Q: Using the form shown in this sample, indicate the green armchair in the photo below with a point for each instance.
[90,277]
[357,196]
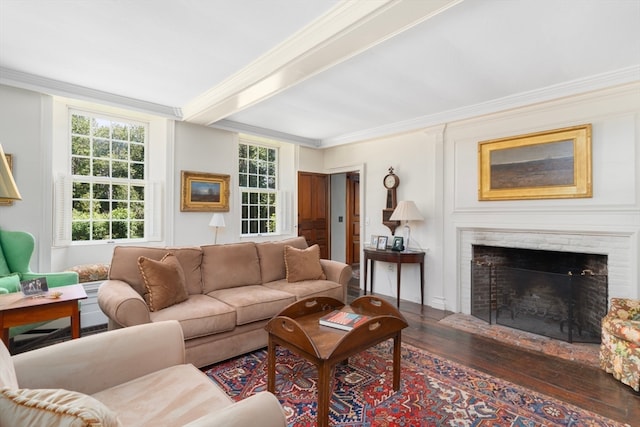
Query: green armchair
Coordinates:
[16,248]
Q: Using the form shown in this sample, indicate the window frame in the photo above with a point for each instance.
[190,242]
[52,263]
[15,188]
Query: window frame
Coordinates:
[249,191]
[111,181]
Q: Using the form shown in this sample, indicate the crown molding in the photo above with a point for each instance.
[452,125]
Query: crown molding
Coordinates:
[232,126]
[571,88]
[36,83]
[346,30]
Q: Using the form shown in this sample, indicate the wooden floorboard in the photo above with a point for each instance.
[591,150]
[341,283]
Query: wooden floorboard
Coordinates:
[572,382]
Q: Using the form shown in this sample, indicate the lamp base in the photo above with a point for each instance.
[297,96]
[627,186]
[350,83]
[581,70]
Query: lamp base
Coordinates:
[406,234]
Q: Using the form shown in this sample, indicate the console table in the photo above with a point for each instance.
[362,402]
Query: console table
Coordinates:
[399,258]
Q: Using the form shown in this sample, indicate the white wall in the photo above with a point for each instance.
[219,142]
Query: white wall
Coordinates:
[438,169]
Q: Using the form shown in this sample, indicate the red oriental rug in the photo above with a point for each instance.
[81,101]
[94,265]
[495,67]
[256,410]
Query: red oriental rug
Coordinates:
[433,392]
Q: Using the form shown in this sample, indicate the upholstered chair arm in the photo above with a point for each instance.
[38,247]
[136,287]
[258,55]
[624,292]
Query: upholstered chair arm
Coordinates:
[97,362]
[261,409]
[624,308]
[62,278]
[122,304]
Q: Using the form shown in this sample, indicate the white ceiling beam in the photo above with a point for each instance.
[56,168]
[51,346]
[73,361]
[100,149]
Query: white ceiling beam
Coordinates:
[348,29]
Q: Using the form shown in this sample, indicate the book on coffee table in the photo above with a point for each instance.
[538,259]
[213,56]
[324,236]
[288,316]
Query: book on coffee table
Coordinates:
[343,320]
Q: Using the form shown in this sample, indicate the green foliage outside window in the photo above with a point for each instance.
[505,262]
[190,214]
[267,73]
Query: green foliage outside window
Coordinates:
[257,172]
[107,164]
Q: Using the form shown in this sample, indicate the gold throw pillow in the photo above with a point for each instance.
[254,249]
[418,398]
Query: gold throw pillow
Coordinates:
[303,264]
[164,281]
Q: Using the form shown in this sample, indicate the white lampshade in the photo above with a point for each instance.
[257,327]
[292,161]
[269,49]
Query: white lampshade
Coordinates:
[406,211]
[8,188]
[217,220]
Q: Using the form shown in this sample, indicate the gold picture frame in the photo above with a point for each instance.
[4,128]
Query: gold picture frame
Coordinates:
[204,192]
[3,201]
[554,164]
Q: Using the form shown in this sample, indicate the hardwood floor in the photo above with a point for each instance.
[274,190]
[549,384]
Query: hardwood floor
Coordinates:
[572,382]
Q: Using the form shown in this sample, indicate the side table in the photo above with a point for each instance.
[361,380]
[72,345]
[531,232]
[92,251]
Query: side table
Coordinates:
[16,309]
[399,258]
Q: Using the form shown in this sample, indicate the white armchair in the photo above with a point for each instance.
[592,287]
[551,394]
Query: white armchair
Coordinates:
[131,376]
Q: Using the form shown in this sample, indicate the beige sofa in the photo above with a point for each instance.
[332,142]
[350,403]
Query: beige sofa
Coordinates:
[129,377]
[232,291]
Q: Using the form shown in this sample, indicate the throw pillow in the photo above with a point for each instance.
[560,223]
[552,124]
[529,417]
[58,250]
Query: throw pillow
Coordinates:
[303,264]
[164,281]
[59,407]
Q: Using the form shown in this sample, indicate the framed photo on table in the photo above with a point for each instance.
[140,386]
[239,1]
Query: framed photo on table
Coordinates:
[382,242]
[398,244]
[374,241]
[34,287]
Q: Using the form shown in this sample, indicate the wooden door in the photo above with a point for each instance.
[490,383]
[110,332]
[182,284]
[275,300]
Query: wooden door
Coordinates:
[353,218]
[313,210]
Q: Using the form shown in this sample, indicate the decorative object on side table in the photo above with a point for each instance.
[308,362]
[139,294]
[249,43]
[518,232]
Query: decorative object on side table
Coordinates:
[343,320]
[382,242]
[398,244]
[374,241]
[407,211]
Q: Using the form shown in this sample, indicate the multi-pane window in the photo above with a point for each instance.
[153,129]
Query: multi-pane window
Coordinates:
[257,177]
[108,174]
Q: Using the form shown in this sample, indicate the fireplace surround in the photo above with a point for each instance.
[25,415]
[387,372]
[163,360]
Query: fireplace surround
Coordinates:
[561,295]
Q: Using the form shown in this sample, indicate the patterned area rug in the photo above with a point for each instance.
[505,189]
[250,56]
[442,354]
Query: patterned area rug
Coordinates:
[434,392]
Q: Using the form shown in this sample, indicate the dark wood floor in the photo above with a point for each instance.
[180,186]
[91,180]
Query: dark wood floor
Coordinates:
[578,384]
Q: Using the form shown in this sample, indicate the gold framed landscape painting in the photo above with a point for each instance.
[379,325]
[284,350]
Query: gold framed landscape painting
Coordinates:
[553,164]
[204,192]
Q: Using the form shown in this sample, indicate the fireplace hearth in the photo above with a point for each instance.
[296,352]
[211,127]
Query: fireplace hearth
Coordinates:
[561,295]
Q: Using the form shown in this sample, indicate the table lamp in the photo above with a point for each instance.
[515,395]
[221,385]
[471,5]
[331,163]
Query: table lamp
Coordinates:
[406,211]
[217,221]
[8,188]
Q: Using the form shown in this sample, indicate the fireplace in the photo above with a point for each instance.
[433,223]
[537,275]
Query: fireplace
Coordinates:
[561,295]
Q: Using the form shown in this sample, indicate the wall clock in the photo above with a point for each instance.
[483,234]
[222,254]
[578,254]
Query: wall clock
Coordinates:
[390,182]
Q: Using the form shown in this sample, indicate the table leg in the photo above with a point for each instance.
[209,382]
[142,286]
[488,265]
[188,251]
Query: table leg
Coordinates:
[366,262]
[75,320]
[399,268]
[5,333]
[396,361]
[422,283]
[373,269]
[271,366]
[324,393]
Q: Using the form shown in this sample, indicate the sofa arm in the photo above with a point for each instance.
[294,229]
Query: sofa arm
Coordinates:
[261,409]
[62,278]
[122,304]
[336,271]
[97,362]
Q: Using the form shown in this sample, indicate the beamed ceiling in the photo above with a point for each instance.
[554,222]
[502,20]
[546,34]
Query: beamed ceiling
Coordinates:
[319,72]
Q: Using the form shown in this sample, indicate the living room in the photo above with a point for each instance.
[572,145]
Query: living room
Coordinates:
[437,162]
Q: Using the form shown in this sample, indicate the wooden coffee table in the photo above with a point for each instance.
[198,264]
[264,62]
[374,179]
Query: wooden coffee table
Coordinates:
[297,328]
[17,309]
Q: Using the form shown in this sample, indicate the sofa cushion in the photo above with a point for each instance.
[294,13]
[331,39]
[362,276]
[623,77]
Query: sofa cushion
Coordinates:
[253,303]
[309,288]
[7,372]
[124,265]
[163,280]
[10,283]
[172,396]
[199,315]
[59,407]
[303,264]
[229,266]
[271,256]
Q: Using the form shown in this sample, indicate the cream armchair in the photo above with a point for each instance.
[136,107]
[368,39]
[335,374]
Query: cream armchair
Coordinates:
[129,377]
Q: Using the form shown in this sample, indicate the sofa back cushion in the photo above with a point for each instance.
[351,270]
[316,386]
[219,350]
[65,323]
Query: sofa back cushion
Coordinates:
[272,266]
[230,266]
[124,265]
